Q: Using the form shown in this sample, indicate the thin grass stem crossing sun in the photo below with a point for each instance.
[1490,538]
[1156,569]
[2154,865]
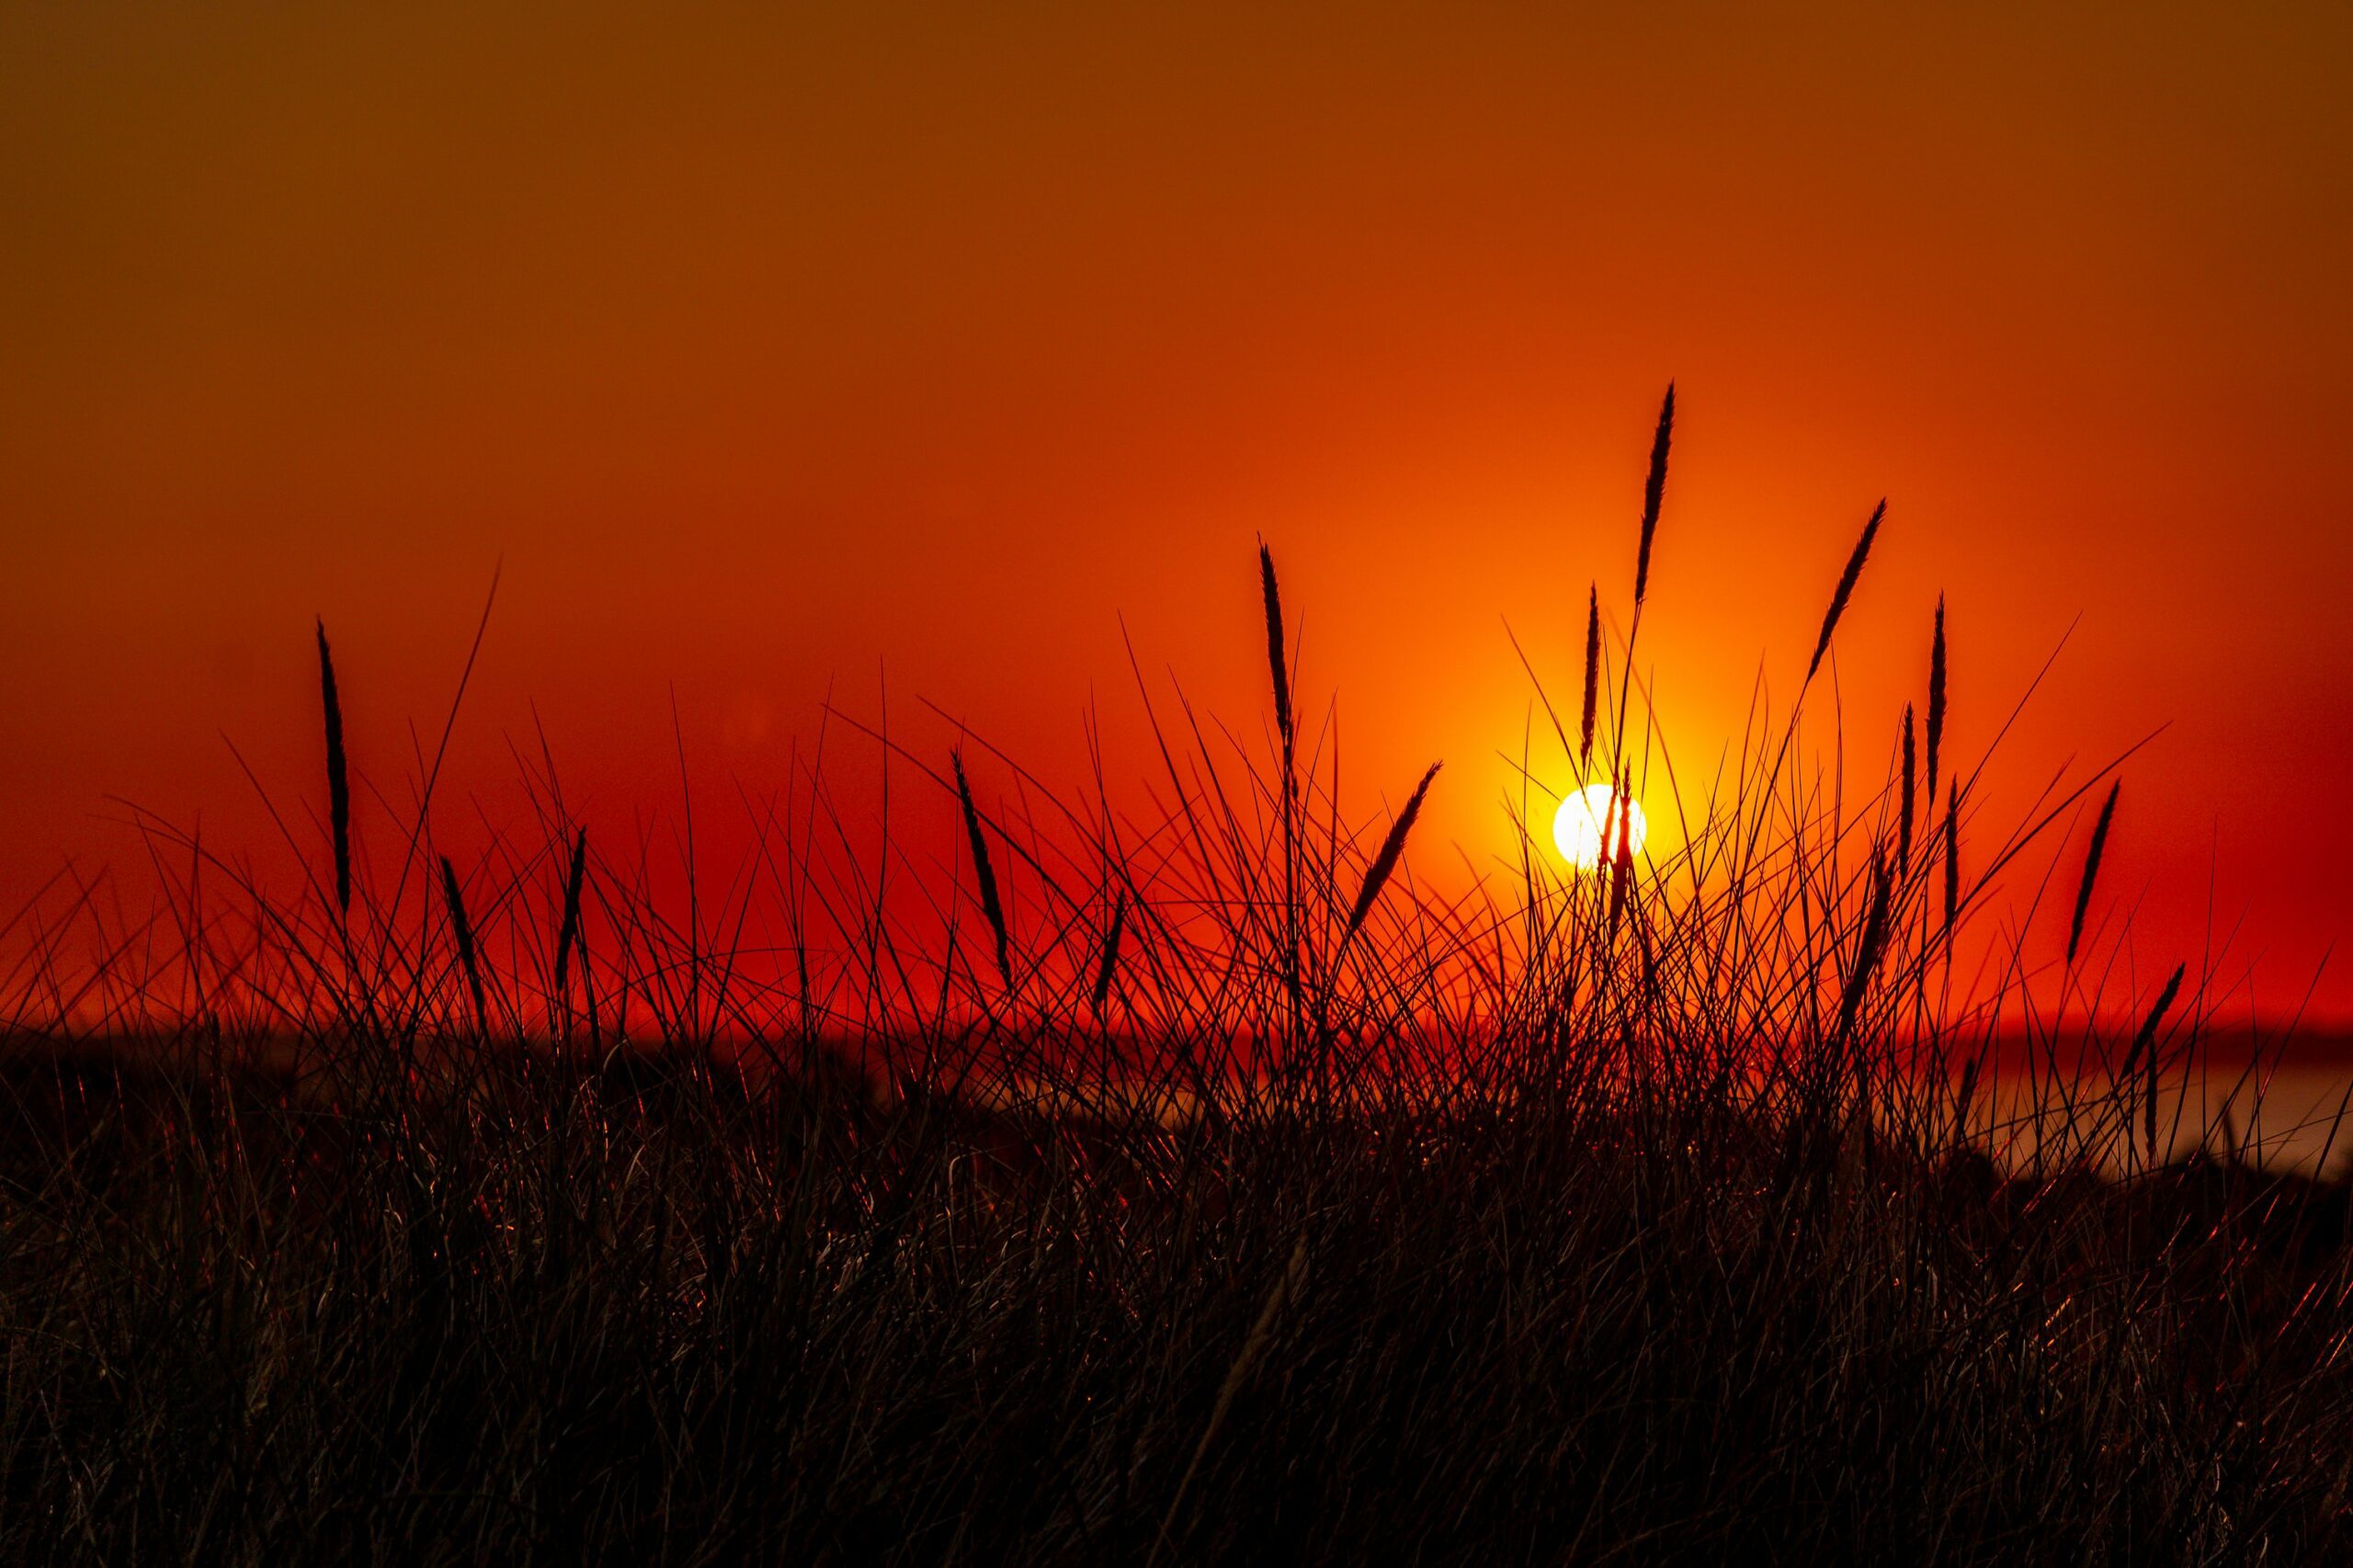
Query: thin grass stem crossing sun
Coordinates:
[1586,827]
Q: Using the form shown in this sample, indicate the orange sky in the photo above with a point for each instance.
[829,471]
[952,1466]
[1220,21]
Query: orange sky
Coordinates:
[772,353]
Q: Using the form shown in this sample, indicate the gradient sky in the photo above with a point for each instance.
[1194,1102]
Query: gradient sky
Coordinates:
[770,354]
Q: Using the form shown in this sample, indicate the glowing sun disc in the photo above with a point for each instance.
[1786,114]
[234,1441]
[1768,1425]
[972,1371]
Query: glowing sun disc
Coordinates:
[1585,828]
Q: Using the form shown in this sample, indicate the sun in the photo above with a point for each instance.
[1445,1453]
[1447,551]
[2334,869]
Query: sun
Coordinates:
[1586,827]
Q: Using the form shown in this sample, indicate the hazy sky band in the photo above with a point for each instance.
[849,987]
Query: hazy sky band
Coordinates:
[768,351]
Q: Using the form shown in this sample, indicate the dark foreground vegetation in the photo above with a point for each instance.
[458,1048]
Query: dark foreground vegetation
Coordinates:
[1186,1183]
[662,1317]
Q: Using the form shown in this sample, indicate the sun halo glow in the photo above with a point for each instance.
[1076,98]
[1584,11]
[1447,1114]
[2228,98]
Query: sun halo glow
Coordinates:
[1585,827]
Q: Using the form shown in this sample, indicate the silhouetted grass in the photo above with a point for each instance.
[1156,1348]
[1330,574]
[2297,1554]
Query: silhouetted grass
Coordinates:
[1263,1204]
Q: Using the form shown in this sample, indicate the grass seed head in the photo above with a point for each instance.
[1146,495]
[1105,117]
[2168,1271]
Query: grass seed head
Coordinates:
[338,777]
[568,930]
[1937,699]
[1384,863]
[1653,490]
[2091,870]
[1867,950]
[985,875]
[1592,674]
[1904,848]
[1277,664]
[463,930]
[2146,1040]
[1845,588]
[1110,961]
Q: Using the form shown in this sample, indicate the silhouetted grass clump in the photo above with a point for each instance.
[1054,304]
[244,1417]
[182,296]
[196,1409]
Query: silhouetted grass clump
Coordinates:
[1246,1199]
